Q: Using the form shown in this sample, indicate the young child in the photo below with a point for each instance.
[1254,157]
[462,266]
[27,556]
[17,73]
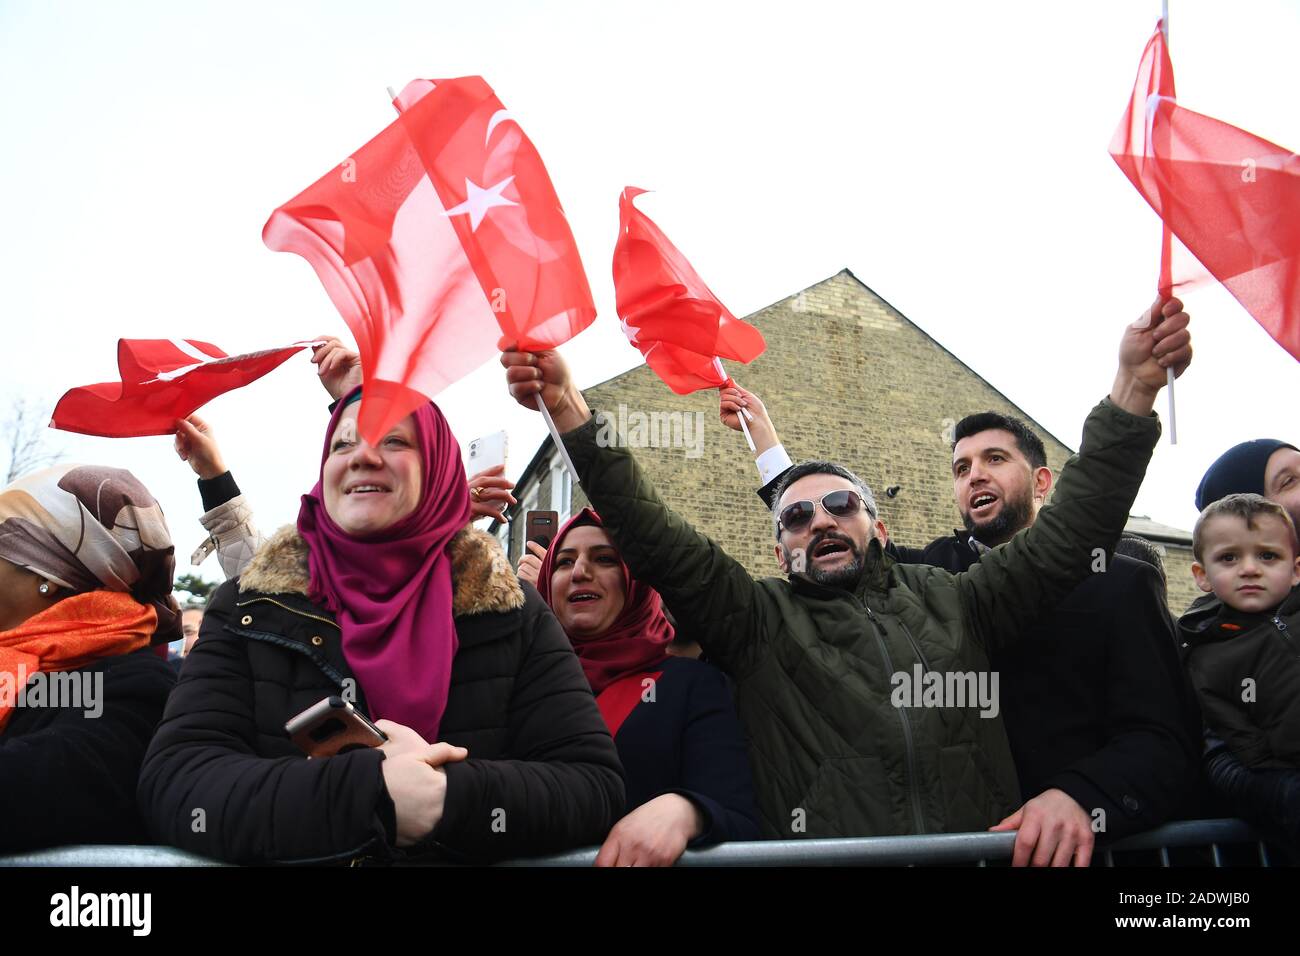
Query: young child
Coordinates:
[1242,649]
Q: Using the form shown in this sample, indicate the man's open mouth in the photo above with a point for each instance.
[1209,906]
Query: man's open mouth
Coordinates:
[830,546]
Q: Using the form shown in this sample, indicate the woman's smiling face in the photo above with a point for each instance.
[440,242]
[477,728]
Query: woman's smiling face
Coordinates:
[368,489]
[588,589]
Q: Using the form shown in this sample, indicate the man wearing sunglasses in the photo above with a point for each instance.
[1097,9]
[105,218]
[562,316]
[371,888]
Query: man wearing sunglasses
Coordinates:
[814,655]
[1102,723]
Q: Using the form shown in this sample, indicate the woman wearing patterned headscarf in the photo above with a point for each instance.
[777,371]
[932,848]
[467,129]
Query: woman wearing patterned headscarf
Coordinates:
[85,587]
[383,596]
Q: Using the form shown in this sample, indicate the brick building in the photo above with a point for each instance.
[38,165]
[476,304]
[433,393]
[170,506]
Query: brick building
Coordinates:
[846,377]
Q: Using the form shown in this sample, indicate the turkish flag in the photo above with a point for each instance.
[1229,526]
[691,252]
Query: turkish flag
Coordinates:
[1231,198]
[440,241]
[668,312]
[162,380]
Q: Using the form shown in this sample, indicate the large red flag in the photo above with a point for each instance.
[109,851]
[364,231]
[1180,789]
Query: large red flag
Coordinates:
[161,380]
[668,312]
[1231,198]
[439,241]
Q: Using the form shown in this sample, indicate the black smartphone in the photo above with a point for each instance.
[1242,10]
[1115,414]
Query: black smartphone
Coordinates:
[541,527]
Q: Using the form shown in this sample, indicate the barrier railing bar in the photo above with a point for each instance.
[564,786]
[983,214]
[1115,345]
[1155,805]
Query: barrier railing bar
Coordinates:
[942,849]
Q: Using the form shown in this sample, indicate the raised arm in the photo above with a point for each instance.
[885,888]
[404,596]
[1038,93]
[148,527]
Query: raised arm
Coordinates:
[1074,536]
[698,581]
[227,516]
[771,458]
[770,455]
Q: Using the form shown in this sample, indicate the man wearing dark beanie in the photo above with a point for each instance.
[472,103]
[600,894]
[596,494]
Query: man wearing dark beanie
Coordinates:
[1264,466]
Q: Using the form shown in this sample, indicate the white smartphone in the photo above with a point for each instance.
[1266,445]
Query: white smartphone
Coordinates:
[486,452]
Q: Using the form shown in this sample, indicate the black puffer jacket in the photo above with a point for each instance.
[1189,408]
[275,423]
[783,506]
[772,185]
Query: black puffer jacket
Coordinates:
[67,774]
[223,779]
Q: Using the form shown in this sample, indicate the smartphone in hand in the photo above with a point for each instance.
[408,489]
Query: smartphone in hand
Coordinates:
[486,452]
[541,527]
[332,726]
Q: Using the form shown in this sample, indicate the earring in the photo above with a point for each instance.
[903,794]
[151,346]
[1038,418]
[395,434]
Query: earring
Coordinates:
[44,588]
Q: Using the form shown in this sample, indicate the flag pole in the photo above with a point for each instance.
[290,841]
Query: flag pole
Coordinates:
[1165,239]
[541,406]
[555,436]
[744,413]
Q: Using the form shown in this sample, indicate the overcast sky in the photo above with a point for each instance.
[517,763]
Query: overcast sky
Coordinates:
[953,155]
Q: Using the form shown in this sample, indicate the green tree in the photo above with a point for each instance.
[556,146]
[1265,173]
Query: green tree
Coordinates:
[195,586]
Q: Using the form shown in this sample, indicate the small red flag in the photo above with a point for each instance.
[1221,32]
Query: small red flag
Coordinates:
[161,380]
[1231,198]
[668,312]
[439,241]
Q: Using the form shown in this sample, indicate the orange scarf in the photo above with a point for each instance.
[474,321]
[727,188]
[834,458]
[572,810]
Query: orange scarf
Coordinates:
[72,633]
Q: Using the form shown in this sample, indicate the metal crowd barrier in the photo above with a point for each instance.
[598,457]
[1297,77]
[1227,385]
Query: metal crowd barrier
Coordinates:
[1188,843]
[108,856]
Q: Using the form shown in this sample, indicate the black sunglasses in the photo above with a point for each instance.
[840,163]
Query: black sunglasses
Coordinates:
[838,504]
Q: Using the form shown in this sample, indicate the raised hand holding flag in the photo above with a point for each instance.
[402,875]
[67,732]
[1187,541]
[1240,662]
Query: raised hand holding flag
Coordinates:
[1231,198]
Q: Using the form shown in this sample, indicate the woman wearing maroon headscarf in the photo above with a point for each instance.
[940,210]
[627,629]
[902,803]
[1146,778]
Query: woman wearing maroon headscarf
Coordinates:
[381,595]
[682,746]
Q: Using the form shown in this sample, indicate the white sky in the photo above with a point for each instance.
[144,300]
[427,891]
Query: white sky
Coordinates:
[953,155]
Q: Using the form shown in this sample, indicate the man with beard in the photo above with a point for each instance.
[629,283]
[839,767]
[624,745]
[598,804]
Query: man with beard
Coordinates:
[1097,708]
[1103,727]
[1000,480]
[819,658]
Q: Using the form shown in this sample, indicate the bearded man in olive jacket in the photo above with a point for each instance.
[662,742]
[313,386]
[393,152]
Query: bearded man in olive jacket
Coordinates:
[817,657]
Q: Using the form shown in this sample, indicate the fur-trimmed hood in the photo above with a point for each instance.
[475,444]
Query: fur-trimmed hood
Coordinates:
[482,578]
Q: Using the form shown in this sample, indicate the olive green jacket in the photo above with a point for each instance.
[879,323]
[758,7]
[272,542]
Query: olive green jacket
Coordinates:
[818,671]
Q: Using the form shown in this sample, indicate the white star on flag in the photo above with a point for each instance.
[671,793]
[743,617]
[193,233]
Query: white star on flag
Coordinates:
[479,200]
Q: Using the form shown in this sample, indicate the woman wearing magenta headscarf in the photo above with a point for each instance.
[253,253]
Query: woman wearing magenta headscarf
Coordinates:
[383,596]
[682,746]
